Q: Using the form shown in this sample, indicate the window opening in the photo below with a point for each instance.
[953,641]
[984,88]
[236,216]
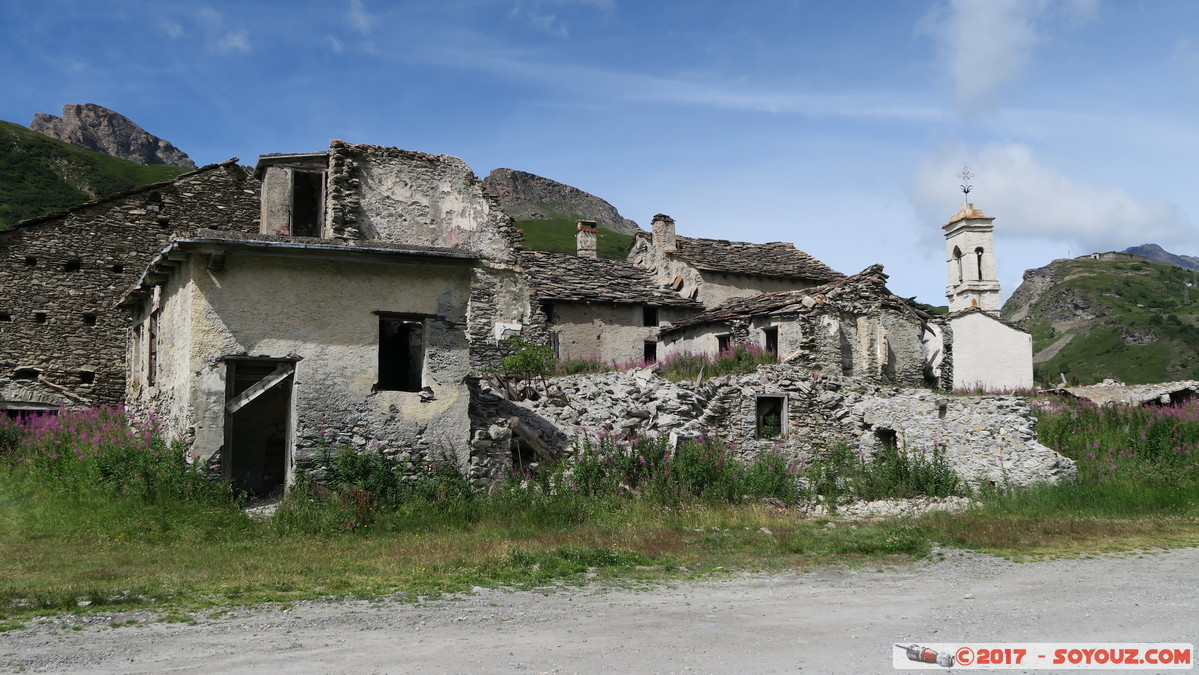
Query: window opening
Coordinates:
[118,268]
[650,352]
[547,308]
[887,438]
[89,318]
[86,376]
[152,352]
[649,316]
[770,417]
[26,374]
[307,203]
[723,343]
[30,261]
[401,352]
[771,337]
[72,265]
[978,253]
[957,256]
[39,317]
[5,316]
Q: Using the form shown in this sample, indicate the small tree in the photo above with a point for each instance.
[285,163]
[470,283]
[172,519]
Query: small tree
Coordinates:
[526,361]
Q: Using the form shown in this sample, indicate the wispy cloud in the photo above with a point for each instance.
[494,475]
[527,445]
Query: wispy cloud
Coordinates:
[223,38]
[358,17]
[171,29]
[1033,200]
[546,15]
[986,44]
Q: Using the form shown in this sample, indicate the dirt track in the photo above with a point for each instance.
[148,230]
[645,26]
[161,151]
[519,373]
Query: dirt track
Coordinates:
[824,621]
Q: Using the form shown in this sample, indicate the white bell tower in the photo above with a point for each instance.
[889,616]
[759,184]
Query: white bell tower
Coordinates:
[970,259]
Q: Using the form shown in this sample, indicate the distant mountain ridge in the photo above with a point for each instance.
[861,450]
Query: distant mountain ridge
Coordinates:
[40,175]
[1110,315]
[526,196]
[93,127]
[1156,253]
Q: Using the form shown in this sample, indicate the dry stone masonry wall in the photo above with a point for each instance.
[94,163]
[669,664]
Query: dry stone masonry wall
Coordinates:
[986,439]
[61,276]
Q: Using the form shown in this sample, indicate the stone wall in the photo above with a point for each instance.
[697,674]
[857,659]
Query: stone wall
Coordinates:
[987,439]
[61,276]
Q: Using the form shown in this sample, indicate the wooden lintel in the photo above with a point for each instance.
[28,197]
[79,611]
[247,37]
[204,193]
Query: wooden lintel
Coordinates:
[282,372]
[529,436]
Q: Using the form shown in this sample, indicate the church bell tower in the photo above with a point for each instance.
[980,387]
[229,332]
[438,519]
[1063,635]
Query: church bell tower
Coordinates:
[970,258]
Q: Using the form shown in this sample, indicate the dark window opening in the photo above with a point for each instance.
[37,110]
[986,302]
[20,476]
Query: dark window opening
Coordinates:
[401,354]
[887,438]
[119,269]
[978,253]
[30,261]
[650,352]
[771,337]
[89,318]
[649,316]
[723,343]
[5,316]
[72,265]
[307,203]
[152,352]
[26,374]
[547,308]
[957,256]
[770,417]
[86,376]
[39,317]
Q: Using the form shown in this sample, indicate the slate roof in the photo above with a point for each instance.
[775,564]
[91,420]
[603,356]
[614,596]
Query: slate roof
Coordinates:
[556,276]
[776,259]
[870,281]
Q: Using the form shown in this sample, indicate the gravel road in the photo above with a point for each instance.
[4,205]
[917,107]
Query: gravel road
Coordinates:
[826,620]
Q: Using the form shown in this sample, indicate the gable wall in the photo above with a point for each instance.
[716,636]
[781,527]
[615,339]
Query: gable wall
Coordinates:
[126,231]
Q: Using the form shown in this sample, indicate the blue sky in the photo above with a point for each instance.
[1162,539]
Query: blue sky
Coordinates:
[839,126]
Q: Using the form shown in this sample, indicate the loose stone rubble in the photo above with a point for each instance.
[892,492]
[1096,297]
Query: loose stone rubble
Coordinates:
[988,440]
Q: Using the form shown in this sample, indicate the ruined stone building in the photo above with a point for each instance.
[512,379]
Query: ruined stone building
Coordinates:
[592,308]
[714,270]
[62,339]
[852,327]
[350,297]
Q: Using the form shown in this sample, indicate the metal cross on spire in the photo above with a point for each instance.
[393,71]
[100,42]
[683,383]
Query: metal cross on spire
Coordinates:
[965,175]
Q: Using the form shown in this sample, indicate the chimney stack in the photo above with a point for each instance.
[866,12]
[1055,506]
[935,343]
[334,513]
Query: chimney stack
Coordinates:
[663,229]
[585,239]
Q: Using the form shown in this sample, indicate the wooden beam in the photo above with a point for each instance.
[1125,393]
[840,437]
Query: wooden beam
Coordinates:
[529,436]
[282,372]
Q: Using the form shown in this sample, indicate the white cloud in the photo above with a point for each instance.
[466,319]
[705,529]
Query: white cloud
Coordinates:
[539,15]
[221,37]
[172,29]
[1034,201]
[986,44]
[335,45]
[358,17]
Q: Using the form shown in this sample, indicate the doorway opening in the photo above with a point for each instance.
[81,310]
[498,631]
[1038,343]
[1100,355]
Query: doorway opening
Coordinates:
[258,402]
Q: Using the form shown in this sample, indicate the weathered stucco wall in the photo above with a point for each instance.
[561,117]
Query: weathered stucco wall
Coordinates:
[321,313]
[61,276]
[719,287]
[609,332]
[420,199]
[990,355]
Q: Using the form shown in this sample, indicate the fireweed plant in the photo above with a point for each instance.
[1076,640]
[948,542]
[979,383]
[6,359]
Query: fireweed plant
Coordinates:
[101,449]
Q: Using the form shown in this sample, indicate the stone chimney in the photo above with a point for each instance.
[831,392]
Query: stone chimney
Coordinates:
[663,228]
[585,236]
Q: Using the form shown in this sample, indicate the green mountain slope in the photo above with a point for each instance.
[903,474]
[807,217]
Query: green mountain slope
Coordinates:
[39,175]
[1135,321]
[557,235]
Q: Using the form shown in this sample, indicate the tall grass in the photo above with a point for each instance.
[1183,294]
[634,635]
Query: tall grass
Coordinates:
[738,359]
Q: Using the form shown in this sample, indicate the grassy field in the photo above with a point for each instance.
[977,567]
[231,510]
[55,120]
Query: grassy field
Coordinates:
[39,174]
[557,235]
[1145,326]
[98,514]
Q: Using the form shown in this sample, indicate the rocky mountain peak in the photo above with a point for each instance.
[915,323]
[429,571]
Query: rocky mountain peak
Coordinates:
[526,196]
[97,128]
